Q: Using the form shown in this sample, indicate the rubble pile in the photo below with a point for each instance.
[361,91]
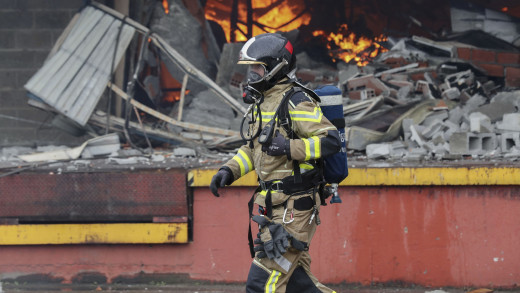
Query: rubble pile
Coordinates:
[435,106]
[422,99]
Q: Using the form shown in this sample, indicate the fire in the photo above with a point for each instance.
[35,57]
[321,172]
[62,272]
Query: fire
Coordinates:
[166,6]
[282,16]
[347,46]
[505,9]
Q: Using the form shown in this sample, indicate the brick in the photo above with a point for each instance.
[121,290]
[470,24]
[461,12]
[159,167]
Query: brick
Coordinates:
[6,39]
[15,19]
[40,57]
[464,53]
[23,76]
[493,69]
[16,59]
[508,58]
[13,99]
[483,55]
[7,79]
[512,77]
[29,39]
[51,19]
[68,4]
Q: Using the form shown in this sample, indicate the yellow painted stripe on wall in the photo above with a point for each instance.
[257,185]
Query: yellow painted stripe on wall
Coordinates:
[398,176]
[134,233]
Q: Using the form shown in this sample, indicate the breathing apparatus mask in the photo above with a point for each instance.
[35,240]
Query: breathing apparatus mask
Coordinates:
[259,80]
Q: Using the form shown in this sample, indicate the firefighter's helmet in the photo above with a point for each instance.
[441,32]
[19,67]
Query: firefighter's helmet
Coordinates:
[270,58]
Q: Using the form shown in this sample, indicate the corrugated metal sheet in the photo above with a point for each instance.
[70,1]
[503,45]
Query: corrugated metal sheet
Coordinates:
[73,79]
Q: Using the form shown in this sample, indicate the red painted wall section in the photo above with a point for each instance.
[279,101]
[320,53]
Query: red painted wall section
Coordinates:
[442,236]
[432,236]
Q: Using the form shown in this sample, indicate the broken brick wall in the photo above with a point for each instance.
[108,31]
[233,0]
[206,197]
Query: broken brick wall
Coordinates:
[28,31]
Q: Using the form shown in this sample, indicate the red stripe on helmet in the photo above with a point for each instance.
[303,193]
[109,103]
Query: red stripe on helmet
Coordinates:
[289,47]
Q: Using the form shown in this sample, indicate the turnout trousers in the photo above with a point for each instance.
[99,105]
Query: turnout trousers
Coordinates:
[292,272]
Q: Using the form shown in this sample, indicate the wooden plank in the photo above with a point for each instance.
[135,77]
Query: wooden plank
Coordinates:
[170,120]
[183,93]
[117,124]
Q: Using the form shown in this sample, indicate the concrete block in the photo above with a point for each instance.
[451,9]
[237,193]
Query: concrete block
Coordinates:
[17,19]
[509,140]
[433,128]
[7,39]
[17,59]
[479,122]
[416,137]
[510,122]
[51,19]
[41,39]
[489,142]
[451,93]
[455,115]
[450,129]
[463,143]
[378,150]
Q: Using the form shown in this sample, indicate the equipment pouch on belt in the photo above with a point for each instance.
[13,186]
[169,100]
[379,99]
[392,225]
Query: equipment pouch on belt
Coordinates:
[309,180]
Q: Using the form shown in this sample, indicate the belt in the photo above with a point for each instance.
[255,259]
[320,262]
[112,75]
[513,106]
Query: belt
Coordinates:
[270,185]
[301,204]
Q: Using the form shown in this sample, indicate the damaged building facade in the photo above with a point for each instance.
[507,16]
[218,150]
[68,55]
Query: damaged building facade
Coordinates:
[123,96]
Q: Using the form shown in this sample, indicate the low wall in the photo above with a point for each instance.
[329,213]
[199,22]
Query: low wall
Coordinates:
[432,227]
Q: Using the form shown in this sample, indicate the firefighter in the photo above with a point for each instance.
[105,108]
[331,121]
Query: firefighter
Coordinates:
[285,161]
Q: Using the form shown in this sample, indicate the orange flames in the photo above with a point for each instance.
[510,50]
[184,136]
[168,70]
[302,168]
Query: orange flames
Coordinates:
[350,47]
[166,6]
[269,16]
[276,15]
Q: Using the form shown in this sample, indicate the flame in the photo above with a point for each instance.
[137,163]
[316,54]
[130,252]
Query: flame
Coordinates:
[348,47]
[505,9]
[166,6]
[284,16]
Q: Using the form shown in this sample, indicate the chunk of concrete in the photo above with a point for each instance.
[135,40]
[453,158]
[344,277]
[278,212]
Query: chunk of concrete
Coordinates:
[455,115]
[479,123]
[510,122]
[378,150]
[474,102]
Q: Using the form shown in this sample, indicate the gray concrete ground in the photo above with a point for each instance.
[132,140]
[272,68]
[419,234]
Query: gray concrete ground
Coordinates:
[210,288]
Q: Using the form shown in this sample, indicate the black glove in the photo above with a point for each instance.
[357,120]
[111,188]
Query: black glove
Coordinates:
[279,146]
[223,177]
[280,239]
